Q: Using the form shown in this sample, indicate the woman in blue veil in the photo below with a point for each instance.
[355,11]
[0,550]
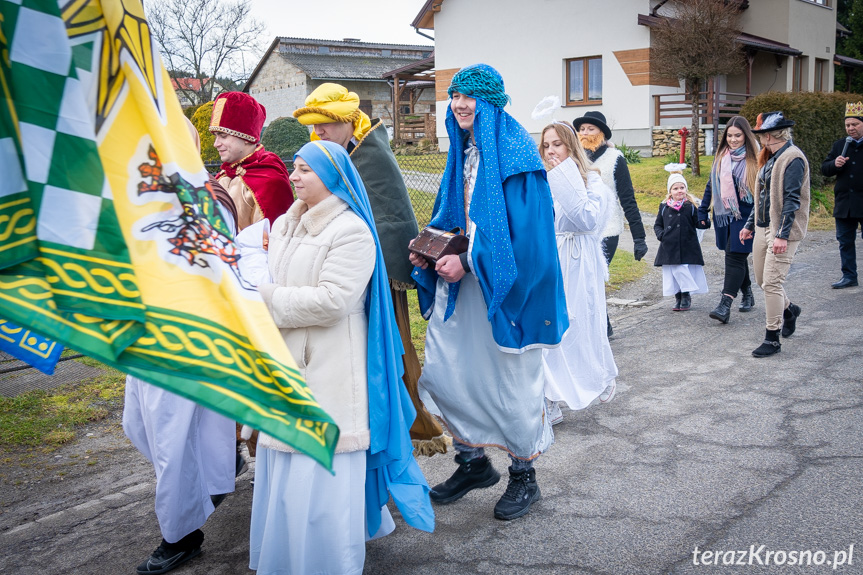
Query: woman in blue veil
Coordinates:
[329,273]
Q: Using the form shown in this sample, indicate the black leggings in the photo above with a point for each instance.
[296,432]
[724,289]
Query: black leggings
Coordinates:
[736,273]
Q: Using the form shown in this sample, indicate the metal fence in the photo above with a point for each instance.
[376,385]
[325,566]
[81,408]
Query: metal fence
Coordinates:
[422,176]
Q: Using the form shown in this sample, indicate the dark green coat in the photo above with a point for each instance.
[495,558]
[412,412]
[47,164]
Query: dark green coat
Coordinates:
[391,205]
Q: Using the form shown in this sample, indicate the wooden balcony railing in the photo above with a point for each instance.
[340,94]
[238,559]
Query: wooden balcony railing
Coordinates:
[714,107]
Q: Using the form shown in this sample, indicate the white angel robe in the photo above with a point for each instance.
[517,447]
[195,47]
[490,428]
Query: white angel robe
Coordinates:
[253,257]
[192,449]
[582,366]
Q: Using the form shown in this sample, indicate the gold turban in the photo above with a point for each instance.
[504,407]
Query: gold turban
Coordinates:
[330,103]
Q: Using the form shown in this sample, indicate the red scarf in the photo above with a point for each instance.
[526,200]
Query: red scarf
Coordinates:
[266,176]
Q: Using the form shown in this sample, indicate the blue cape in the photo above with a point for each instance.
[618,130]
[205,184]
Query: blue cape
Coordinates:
[390,465]
[514,252]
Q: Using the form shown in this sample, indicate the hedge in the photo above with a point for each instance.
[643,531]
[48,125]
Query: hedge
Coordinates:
[189,111]
[819,118]
[284,136]
[201,120]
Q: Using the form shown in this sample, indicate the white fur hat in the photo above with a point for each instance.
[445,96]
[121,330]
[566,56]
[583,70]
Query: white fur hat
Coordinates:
[675,178]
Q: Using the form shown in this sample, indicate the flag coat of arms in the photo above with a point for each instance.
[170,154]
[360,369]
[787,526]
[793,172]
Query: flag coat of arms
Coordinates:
[110,239]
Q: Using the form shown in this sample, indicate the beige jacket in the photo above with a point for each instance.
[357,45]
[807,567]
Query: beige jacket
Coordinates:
[321,260]
[248,211]
[777,191]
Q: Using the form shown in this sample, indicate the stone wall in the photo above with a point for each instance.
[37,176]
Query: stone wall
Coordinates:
[280,87]
[667,140]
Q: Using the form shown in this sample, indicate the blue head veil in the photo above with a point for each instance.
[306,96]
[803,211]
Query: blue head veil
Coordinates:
[506,149]
[390,465]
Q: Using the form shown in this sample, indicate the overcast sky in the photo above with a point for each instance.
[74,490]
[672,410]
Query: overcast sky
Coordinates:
[368,20]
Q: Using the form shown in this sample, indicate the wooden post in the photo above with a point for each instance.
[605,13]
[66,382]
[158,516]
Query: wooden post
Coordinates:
[715,118]
[750,58]
[396,119]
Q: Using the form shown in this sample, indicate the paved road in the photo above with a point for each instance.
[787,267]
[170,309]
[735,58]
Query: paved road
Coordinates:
[422,181]
[704,446]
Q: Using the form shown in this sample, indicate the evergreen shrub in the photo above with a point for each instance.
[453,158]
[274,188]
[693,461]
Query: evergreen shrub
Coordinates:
[201,121]
[189,111]
[819,117]
[284,136]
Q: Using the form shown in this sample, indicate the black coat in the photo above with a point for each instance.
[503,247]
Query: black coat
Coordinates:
[677,235]
[848,191]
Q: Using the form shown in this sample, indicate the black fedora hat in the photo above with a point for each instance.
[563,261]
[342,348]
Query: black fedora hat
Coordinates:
[596,119]
[770,122]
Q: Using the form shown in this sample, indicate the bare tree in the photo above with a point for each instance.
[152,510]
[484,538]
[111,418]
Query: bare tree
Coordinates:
[206,37]
[696,41]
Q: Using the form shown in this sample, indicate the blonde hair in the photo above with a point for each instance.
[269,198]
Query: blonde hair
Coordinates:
[749,142]
[689,195]
[784,134]
[573,146]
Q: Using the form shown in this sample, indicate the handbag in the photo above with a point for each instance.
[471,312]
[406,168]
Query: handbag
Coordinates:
[433,244]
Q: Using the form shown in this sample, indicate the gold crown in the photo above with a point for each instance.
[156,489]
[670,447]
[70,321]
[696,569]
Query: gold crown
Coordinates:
[853,109]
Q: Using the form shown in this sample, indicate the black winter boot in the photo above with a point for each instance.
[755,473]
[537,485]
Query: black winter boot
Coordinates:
[471,474]
[770,345]
[521,492]
[677,297]
[747,300]
[685,301]
[790,315]
[723,310]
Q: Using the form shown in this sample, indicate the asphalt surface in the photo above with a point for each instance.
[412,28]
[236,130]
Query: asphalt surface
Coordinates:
[703,447]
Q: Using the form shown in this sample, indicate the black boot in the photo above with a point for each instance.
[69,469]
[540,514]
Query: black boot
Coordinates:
[471,474]
[770,345]
[747,300]
[169,556]
[685,301]
[677,297]
[723,310]
[521,492]
[790,315]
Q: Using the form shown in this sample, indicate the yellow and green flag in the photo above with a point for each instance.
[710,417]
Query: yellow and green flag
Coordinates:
[110,240]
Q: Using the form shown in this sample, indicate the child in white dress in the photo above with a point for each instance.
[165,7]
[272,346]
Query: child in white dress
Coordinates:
[679,254]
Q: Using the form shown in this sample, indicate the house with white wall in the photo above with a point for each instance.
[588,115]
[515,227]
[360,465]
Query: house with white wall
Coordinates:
[292,68]
[596,56]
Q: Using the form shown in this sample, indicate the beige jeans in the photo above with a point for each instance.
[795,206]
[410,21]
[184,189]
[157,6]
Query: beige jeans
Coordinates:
[770,273]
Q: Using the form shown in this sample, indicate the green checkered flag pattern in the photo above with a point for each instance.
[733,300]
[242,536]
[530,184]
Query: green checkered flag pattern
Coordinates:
[63,174]
[79,90]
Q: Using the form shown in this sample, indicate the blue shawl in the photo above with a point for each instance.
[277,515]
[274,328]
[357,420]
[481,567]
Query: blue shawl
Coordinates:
[513,212]
[390,465]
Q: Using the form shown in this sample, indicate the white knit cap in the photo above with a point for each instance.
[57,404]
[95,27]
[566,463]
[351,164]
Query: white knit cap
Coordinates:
[673,179]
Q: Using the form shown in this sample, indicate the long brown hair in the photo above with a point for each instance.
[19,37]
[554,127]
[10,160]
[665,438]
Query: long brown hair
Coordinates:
[573,146]
[749,142]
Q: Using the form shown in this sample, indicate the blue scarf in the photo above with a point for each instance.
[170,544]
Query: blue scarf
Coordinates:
[390,465]
[505,149]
